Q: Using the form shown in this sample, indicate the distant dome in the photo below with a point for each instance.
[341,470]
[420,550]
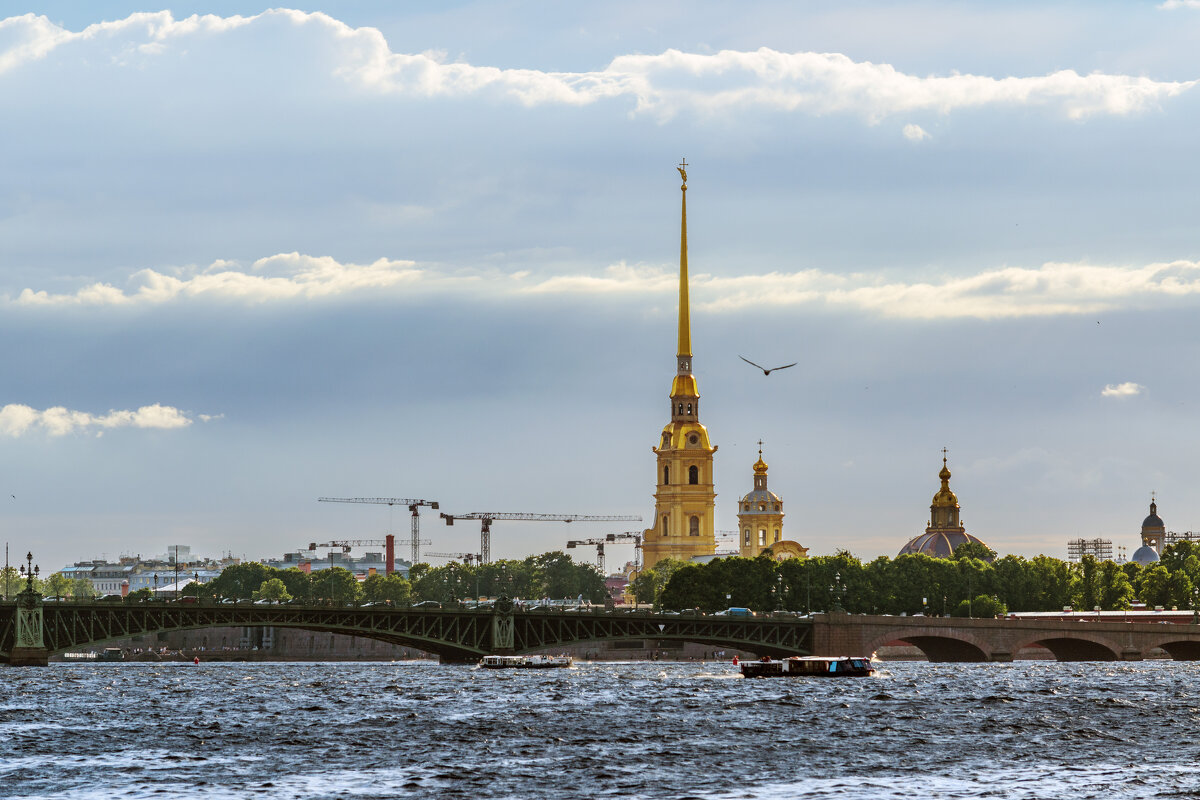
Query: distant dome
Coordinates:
[938,544]
[1145,555]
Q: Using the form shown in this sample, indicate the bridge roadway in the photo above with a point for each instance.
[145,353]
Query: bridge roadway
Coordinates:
[48,628]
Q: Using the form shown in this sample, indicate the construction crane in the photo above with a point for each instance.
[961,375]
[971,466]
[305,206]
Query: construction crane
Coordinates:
[466,558]
[486,518]
[389,543]
[629,536]
[413,505]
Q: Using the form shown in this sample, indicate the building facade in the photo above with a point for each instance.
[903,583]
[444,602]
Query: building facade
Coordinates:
[685,500]
[760,520]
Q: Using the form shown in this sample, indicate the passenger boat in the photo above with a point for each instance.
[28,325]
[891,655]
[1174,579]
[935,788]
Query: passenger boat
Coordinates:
[524,662]
[811,666]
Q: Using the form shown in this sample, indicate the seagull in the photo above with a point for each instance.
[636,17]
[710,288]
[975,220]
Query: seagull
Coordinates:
[764,369]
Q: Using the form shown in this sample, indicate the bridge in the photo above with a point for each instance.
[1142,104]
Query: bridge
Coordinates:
[32,630]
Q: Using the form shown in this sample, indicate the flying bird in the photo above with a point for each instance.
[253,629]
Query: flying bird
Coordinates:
[764,369]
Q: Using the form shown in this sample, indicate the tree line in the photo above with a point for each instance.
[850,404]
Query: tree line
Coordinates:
[551,574]
[972,582]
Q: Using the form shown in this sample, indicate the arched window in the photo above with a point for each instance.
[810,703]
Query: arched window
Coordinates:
[777,534]
[693,475]
[689,408]
[664,527]
[681,408]
[762,537]
[694,526]
[666,475]
[747,539]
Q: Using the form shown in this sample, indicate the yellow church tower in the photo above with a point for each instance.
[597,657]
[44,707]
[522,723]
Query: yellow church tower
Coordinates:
[685,503]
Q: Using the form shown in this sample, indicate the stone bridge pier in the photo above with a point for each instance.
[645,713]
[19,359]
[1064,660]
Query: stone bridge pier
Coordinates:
[959,639]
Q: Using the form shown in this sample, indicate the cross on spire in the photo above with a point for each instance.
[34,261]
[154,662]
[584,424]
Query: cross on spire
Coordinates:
[944,452]
[760,448]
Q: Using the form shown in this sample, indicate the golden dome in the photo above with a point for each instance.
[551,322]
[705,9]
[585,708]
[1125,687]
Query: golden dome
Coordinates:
[760,466]
[945,498]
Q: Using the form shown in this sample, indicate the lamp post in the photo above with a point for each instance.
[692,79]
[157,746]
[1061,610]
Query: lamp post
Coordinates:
[838,593]
[779,597]
[29,572]
[1196,605]
[156,585]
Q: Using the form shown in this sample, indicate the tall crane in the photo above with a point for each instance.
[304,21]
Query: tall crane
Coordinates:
[486,518]
[389,543]
[629,536]
[413,505]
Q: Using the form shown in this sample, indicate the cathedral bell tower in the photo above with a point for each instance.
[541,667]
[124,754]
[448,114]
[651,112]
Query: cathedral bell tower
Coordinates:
[685,502]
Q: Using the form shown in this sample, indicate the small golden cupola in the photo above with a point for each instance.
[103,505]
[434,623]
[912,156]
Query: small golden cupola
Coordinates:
[760,520]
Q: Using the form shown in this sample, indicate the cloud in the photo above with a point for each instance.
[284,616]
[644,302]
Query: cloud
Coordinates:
[1171,5]
[664,84]
[1127,389]
[284,276]
[17,420]
[1006,292]
[915,133]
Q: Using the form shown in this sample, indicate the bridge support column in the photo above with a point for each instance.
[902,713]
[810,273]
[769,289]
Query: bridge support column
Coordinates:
[1131,655]
[999,656]
[503,629]
[29,649]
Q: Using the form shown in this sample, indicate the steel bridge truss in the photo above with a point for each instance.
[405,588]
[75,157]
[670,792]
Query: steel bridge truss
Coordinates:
[451,634]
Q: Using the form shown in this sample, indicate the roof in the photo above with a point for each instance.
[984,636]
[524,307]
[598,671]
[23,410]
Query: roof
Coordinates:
[1145,555]
[938,544]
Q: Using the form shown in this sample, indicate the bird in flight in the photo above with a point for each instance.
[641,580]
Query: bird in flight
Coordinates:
[764,369]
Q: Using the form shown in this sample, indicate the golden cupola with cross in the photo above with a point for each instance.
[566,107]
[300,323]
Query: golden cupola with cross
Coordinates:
[944,531]
[760,520]
[685,500]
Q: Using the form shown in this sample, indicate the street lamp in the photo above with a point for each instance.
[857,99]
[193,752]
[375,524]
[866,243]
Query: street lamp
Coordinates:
[838,593]
[29,572]
[1196,605]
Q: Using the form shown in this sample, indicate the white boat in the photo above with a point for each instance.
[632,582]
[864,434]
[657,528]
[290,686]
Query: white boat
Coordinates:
[525,662]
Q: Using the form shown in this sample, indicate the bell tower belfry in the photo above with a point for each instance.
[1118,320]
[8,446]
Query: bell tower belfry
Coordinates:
[685,502]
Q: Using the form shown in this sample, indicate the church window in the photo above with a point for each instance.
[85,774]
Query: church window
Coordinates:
[777,507]
[689,408]
[747,540]
[694,526]
[666,474]
[664,528]
[693,475]
[762,537]
[777,534]
[762,507]
[681,408]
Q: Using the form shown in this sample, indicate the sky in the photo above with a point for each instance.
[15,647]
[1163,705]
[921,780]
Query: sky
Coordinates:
[251,256]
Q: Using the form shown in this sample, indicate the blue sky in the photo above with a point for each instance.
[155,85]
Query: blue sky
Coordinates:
[253,257]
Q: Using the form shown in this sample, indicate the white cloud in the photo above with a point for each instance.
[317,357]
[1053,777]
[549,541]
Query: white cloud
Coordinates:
[17,420]
[915,133]
[664,83]
[1006,292]
[1171,5]
[280,277]
[1127,389]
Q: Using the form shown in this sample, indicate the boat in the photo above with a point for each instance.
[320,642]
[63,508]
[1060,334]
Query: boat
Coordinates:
[810,666]
[525,662]
[111,654]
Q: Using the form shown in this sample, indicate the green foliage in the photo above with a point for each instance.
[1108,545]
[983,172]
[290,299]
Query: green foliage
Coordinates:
[140,596]
[59,585]
[911,584]
[649,583]
[977,550]
[551,574]
[82,588]
[240,581]
[393,589]
[336,585]
[272,589]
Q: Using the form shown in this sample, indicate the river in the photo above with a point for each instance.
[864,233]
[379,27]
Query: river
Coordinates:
[629,730]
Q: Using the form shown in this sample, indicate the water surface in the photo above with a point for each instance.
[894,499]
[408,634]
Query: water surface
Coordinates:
[632,730]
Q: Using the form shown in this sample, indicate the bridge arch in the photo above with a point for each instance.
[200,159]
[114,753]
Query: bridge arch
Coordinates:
[1075,647]
[938,645]
[1178,650]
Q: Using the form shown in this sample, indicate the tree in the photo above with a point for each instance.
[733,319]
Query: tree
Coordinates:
[649,583]
[337,585]
[82,588]
[59,585]
[392,589]
[1154,588]
[272,589]
[977,550]
[140,596]
[298,584]
[11,582]
[983,606]
[239,582]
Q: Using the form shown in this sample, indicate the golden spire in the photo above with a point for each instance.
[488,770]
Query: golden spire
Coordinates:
[685,328]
